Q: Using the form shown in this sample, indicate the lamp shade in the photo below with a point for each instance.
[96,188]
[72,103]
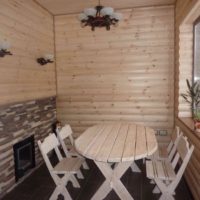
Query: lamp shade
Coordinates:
[4,45]
[90,12]
[117,16]
[82,16]
[107,11]
[49,56]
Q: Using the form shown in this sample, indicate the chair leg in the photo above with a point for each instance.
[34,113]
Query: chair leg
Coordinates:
[166,196]
[166,190]
[156,190]
[74,181]
[85,165]
[80,175]
[152,181]
[55,193]
[135,168]
[66,194]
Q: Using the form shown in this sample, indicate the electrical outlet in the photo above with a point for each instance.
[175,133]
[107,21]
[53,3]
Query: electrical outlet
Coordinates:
[163,132]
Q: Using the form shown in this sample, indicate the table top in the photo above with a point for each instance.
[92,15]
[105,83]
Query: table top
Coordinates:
[117,142]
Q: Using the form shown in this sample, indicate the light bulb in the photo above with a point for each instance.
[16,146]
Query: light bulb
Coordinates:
[4,45]
[49,57]
[90,12]
[107,11]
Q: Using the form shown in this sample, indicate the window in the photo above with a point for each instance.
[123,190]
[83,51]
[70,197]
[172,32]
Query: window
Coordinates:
[196,54]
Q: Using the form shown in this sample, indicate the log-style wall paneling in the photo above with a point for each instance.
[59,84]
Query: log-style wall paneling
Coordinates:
[61,7]
[29,29]
[124,74]
[183,55]
[183,71]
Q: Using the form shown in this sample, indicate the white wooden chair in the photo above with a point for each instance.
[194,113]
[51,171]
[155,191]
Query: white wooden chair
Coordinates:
[66,167]
[64,133]
[168,152]
[163,171]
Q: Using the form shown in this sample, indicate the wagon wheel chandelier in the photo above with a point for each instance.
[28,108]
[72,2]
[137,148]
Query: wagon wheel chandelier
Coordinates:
[99,16]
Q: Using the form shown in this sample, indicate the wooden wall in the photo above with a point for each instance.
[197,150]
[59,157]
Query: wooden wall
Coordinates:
[184,48]
[124,74]
[183,71]
[29,29]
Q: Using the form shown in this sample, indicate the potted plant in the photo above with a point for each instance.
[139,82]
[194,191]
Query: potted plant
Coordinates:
[192,96]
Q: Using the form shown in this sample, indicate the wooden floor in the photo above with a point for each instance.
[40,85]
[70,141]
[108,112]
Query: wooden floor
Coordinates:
[39,186]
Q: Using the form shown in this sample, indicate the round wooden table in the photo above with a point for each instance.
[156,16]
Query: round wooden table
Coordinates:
[119,143]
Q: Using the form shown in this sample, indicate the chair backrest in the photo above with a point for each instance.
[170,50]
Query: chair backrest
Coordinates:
[63,133]
[174,138]
[184,152]
[50,143]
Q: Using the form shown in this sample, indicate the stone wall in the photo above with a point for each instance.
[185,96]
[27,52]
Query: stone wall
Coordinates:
[18,122]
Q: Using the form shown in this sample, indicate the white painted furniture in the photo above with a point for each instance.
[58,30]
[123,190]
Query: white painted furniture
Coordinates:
[168,152]
[163,171]
[119,143]
[66,133]
[66,167]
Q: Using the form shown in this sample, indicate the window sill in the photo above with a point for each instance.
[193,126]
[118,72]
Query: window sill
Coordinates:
[187,123]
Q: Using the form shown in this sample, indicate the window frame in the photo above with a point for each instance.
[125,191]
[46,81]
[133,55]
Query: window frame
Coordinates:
[197,21]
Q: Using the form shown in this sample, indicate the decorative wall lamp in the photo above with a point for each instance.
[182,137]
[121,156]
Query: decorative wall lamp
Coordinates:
[4,46]
[99,17]
[48,58]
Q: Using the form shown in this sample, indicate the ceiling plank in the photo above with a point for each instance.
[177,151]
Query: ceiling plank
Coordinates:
[60,7]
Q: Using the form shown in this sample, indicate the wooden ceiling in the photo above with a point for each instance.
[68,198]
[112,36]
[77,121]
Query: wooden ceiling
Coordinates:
[59,7]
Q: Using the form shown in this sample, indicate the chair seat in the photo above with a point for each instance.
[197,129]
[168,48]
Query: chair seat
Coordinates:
[66,165]
[160,154]
[162,170]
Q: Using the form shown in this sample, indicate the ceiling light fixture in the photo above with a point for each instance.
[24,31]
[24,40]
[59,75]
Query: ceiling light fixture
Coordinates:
[4,46]
[48,58]
[99,17]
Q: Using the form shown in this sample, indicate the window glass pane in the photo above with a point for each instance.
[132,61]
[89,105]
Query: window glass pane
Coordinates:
[197,51]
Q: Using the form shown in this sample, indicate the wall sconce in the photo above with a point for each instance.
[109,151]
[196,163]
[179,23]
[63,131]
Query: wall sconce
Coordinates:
[4,46]
[48,58]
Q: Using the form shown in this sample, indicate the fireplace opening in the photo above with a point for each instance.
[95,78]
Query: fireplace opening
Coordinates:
[24,157]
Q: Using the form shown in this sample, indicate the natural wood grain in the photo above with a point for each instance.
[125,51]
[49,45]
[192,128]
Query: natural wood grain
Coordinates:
[116,142]
[141,150]
[107,146]
[86,140]
[29,29]
[129,147]
[70,6]
[125,74]
[185,16]
[118,147]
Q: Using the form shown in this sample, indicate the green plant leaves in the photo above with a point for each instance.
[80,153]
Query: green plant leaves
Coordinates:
[192,96]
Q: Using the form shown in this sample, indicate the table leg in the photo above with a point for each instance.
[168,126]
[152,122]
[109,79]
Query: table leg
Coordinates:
[135,168]
[112,180]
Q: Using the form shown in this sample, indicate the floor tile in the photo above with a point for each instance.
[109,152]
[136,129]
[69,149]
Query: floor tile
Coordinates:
[39,186]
